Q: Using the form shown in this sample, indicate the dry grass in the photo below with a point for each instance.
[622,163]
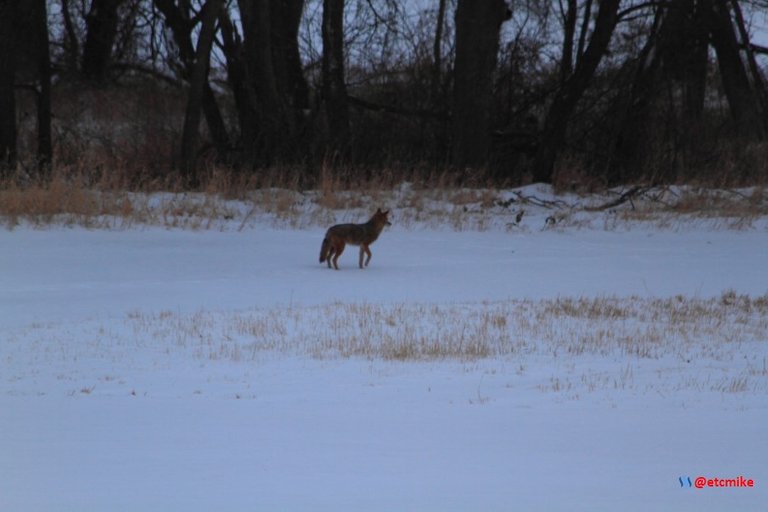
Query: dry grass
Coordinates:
[636,328]
[73,202]
[41,204]
[286,198]
[567,346]
[736,208]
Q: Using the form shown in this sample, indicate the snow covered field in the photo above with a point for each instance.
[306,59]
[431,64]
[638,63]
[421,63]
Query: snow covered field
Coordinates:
[580,368]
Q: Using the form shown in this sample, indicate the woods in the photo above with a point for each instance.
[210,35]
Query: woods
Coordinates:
[573,92]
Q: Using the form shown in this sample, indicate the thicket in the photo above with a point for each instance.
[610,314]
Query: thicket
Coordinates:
[152,94]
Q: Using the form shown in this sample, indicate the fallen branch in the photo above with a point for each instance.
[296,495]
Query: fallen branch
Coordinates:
[557,203]
[623,198]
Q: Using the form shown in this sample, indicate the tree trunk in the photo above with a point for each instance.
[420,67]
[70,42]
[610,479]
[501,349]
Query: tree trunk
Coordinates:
[682,50]
[569,32]
[437,54]
[477,45]
[757,78]
[270,128]
[627,157]
[7,78]
[586,17]
[245,99]
[286,59]
[265,73]
[44,141]
[197,85]
[334,89]
[666,103]
[71,44]
[101,25]
[744,105]
[553,135]
[181,28]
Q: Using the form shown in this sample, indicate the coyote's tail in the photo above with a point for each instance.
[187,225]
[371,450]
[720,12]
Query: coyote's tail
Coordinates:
[324,249]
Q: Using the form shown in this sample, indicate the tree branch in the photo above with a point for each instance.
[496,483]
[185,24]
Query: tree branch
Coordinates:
[623,198]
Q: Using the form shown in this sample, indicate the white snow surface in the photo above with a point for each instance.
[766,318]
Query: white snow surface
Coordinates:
[125,387]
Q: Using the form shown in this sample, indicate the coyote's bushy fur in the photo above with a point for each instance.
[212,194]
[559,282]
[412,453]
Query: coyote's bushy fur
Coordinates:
[338,236]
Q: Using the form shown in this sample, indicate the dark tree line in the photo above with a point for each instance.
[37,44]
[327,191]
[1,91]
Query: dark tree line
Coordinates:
[604,90]
[24,62]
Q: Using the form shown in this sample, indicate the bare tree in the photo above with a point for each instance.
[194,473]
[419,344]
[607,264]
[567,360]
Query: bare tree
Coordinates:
[555,129]
[743,102]
[257,31]
[179,20]
[264,74]
[335,101]
[101,23]
[71,42]
[286,58]
[757,77]
[7,78]
[477,45]
[24,61]
[666,100]
[570,16]
[437,54]
[197,85]
[40,35]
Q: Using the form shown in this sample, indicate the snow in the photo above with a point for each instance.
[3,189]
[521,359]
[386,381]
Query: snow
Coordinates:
[166,369]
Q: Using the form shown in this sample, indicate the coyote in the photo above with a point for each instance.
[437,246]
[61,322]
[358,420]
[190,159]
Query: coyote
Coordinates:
[354,234]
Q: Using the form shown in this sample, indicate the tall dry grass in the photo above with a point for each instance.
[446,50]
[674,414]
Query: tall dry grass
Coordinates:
[291,197]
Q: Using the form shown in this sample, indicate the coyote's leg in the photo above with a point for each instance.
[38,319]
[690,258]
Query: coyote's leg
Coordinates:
[368,252]
[331,251]
[339,250]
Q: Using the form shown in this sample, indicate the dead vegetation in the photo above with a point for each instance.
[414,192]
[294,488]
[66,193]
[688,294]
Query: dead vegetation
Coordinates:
[681,328]
[678,343]
[567,345]
[283,198]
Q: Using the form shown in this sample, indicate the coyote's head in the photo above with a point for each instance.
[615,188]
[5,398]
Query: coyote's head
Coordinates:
[381,219]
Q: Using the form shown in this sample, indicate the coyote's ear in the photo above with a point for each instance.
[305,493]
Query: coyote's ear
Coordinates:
[378,210]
